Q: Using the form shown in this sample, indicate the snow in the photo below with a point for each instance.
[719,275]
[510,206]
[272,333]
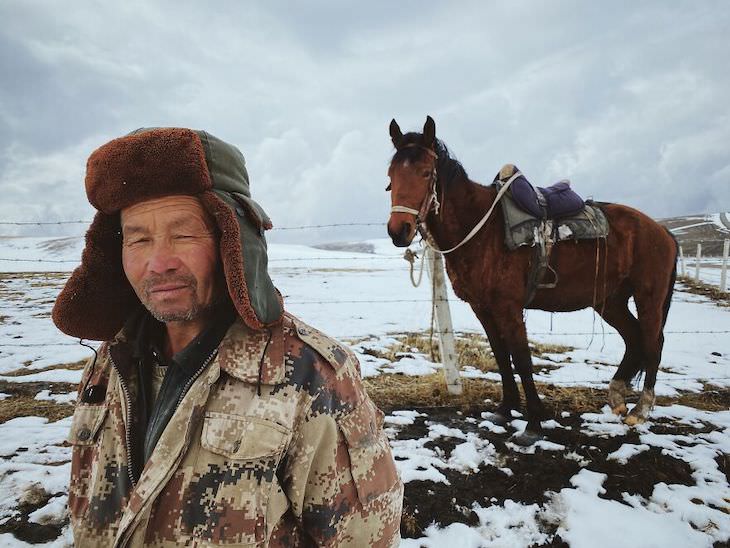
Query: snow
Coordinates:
[367,298]
[45,395]
[513,524]
[624,453]
[590,521]
[34,462]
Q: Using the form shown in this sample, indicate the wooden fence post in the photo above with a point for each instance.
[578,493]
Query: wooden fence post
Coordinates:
[447,345]
[723,272]
[681,261]
[697,262]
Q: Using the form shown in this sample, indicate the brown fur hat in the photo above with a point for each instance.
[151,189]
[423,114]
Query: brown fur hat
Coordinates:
[151,163]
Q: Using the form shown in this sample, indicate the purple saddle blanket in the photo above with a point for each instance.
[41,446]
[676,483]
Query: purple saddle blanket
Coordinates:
[555,201]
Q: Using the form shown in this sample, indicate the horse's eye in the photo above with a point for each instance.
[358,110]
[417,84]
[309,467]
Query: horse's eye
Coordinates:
[426,174]
[387,188]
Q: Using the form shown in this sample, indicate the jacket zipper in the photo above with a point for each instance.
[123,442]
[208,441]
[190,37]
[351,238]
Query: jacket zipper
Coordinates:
[194,378]
[188,384]
[127,430]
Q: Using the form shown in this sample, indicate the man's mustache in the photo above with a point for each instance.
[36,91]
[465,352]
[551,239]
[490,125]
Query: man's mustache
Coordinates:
[157,280]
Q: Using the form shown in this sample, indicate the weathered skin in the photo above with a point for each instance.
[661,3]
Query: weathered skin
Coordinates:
[306,462]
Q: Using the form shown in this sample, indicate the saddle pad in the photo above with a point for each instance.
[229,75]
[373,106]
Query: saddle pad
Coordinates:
[520,227]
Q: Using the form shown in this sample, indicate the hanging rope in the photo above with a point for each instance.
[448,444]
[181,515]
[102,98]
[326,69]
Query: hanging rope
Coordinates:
[411,257]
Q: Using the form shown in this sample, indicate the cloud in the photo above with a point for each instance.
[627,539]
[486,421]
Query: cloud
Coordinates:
[624,99]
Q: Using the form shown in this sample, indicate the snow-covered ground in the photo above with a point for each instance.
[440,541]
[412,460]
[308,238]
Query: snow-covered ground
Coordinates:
[367,298]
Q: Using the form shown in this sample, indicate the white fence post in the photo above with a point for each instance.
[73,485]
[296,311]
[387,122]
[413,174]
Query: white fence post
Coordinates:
[447,345]
[697,262]
[723,272]
[681,261]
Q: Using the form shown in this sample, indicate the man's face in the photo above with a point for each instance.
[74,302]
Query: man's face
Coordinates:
[170,257]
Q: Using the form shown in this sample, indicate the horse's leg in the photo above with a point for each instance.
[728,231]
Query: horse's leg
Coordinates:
[510,393]
[649,306]
[512,327]
[617,314]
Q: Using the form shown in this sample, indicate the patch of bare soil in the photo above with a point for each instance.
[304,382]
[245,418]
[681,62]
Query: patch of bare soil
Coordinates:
[534,476]
[30,532]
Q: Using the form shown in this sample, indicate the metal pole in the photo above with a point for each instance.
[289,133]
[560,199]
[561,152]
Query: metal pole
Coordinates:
[447,345]
[723,272]
[681,261]
[697,262]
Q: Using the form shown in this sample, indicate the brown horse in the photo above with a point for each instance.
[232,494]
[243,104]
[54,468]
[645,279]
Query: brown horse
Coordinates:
[637,259]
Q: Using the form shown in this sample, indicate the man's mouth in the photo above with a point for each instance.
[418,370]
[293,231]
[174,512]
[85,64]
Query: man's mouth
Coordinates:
[164,290]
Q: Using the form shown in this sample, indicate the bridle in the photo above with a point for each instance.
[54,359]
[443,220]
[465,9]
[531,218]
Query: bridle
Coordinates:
[430,201]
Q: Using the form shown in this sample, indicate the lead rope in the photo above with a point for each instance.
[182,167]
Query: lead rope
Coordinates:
[411,257]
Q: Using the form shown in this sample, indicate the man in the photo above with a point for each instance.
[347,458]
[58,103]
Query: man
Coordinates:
[211,416]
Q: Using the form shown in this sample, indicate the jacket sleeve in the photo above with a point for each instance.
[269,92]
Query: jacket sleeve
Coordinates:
[340,476]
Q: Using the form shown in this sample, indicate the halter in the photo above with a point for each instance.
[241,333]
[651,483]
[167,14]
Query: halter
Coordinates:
[431,199]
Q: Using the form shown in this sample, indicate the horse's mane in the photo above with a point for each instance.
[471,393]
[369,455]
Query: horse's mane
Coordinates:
[449,168]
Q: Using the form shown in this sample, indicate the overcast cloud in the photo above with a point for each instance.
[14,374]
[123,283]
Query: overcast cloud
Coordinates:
[629,100]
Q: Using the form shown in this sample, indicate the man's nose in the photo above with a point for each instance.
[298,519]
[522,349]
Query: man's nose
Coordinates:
[163,258]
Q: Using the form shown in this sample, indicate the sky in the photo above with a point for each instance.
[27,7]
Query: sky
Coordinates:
[626,99]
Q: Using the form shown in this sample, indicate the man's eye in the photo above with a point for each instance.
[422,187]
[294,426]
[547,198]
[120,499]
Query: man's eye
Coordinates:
[137,241]
[183,237]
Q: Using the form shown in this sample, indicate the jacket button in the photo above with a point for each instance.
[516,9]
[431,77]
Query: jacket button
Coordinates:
[84,434]
[236,446]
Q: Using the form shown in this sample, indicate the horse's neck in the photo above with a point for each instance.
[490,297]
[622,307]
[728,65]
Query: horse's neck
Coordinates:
[463,205]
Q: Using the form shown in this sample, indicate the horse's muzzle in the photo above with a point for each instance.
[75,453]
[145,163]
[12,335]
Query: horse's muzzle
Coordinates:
[403,236]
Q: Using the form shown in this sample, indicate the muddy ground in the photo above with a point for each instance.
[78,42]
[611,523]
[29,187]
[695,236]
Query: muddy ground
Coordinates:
[536,475]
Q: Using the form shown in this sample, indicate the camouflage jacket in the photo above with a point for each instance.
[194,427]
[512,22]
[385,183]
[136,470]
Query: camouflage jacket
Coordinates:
[284,451]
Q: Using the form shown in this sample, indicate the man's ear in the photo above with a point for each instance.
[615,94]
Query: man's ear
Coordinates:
[395,133]
[429,133]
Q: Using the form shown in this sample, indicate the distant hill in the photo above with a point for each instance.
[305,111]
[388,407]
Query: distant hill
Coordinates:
[708,229]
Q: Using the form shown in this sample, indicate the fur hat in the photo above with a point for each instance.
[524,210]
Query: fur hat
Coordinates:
[151,163]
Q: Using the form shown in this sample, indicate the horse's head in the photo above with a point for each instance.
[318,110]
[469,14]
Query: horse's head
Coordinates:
[413,177]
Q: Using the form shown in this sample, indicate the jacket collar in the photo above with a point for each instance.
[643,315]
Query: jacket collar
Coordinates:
[244,351]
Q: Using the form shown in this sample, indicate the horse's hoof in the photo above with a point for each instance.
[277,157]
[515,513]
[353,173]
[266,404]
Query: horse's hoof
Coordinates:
[497,418]
[526,438]
[620,410]
[633,420]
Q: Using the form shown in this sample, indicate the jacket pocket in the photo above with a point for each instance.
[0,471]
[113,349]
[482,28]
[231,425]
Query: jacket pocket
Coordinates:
[237,437]
[371,462]
[235,474]
[86,423]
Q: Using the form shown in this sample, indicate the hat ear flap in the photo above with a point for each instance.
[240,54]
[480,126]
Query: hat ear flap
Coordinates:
[97,298]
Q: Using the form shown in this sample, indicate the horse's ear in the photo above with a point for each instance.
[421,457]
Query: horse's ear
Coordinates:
[429,133]
[395,133]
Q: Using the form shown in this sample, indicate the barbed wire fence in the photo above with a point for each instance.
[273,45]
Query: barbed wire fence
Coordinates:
[682,267]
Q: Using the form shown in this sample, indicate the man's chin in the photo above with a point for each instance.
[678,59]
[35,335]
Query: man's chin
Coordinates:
[173,314]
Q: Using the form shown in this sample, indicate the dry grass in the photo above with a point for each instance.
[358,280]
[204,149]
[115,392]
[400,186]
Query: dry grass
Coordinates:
[23,371]
[395,391]
[400,391]
[700,288]
[471,349]
[26,406]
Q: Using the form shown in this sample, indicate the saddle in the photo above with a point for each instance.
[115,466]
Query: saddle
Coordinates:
[541,217]
[553,202]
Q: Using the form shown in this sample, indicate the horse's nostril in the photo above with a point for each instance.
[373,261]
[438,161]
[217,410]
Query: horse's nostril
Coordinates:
[405,231]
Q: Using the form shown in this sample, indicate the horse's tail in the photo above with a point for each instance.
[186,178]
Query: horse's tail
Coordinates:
[672,279]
